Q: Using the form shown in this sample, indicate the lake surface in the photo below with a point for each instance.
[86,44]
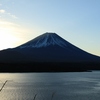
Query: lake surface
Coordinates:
[51,86]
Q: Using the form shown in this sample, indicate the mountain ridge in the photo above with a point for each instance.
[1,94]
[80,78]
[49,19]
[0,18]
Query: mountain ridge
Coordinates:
[47,47]
[45,39]
[47,52]
[53,41]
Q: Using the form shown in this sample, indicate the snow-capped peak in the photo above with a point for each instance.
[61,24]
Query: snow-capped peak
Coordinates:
[44,40]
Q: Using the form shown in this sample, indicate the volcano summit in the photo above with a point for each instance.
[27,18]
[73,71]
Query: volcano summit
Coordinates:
[45,40]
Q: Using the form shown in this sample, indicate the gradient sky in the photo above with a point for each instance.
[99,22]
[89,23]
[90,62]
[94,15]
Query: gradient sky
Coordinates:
[77,21]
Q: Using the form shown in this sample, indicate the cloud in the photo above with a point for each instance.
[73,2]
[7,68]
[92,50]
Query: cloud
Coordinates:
[13,16]
[2,11]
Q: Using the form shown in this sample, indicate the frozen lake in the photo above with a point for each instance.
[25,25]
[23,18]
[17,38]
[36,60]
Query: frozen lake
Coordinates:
[51,86]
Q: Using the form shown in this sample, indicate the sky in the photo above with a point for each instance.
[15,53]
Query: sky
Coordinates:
[77,21]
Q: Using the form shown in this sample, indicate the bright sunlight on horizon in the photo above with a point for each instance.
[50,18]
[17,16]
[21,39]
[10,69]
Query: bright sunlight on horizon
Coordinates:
[77,21]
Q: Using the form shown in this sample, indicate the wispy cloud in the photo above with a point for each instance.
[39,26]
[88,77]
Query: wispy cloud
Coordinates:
[13,16]
[2,11]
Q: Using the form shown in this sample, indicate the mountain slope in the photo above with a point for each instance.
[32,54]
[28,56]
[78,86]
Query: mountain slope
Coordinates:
[48,47]
[45,40]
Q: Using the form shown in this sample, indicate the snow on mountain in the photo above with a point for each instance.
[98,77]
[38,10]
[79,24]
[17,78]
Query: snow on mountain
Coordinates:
[48,47]
[51,39]
[52,47]
[44,40]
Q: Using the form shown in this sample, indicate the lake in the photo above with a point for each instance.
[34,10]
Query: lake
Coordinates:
[51,86]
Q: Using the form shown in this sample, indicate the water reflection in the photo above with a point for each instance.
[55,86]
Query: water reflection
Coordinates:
[47,86]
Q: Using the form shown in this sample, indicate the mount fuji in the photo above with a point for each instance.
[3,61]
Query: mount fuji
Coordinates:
[48,47]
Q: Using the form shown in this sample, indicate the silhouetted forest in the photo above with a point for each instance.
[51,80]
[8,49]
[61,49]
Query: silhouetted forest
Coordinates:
[48,67]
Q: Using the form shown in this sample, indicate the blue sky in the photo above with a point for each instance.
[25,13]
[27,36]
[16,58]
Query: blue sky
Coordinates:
[77,21]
